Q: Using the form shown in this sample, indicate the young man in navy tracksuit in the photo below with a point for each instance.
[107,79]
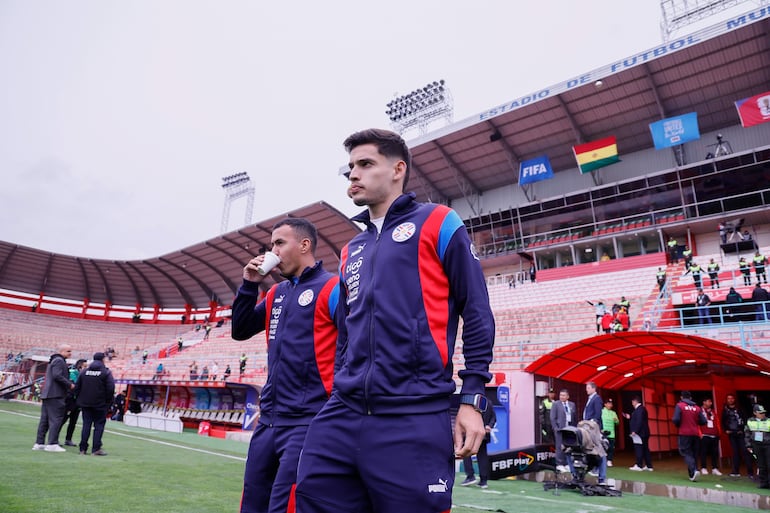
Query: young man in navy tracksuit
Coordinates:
[297,316]
[405,281]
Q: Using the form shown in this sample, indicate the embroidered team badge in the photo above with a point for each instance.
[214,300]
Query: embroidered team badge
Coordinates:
[403,232]
[305,298]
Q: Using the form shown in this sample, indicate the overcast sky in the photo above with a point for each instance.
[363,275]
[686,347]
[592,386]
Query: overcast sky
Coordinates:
[118,119]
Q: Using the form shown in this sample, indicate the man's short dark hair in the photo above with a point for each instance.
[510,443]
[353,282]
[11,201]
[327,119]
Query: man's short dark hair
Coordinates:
[637,399]
[388,143]
[564,390]
[686,394]
[303,229]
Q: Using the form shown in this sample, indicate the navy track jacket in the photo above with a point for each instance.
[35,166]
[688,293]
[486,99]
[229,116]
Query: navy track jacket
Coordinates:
[298,318]
[402,293]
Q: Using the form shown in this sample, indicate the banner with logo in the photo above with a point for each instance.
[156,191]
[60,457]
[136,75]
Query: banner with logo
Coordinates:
[754,110]
[535,170]
[522,461]
[675,131]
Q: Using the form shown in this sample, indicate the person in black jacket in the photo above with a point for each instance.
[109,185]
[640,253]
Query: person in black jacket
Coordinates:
[94,389]
[55,389]
[640,435]
[490,420]
[733,424]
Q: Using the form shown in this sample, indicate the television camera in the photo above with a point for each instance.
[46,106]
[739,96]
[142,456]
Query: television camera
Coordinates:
[580,444]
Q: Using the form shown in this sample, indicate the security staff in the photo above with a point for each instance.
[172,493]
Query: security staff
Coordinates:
[661,277]
[672,250]
[759,267]
[545,415]
[713,270]
[743,265]
[758,439]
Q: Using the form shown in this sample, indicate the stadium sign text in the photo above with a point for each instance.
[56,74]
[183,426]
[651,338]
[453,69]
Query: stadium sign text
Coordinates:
[630,62]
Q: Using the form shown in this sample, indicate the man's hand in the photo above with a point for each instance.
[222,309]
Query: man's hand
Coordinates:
[250,272]
[469,431]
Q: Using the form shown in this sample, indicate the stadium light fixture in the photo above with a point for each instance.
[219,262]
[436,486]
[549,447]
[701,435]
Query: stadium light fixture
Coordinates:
[420,107]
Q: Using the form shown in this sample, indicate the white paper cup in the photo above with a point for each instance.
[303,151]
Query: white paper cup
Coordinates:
[270,261]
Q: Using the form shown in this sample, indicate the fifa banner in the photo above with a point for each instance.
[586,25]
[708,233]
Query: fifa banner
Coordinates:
[515,462]
[754,110]
[535,170]
[674,131]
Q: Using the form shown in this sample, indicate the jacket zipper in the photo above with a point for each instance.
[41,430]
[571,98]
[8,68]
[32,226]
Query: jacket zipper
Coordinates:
[368,377]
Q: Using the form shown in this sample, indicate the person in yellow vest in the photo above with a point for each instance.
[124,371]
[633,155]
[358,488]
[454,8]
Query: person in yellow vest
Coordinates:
[759,267]
[687,255]
[743,265]
[673,252]
[545,415]
[758,439]
[695,269]
[713,270]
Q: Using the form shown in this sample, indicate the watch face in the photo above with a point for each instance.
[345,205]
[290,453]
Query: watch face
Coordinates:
[482,402]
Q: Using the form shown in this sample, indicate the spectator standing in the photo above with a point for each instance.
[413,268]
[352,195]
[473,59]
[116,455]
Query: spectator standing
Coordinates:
[622,319]
[214,371]
[599,309]
[722,232]
[298,315]
[193,371]
[702,302]
[179,344]
[227,373]
[762,303]
[482,457]
[713,270]
[734,424]
[72,410]
[158,371]
[758,438]
[743,265]
[639,426]
[204,373]
[709,442]
[660,276]
[759,262]
[389,403]
[563,414]
[607,321]
[55,389]
[610,423]
[532,273]
[733,298]
[207,329]
[688,417]
[95,388]
[145,354]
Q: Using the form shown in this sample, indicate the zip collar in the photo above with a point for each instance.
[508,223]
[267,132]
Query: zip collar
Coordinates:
[401,205]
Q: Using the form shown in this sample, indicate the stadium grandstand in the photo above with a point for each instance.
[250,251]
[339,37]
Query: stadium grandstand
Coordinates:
[551,249]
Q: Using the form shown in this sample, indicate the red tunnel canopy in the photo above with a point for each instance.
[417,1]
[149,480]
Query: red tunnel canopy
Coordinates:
[613,361]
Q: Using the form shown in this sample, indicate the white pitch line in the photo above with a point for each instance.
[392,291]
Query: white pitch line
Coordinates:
[160,442]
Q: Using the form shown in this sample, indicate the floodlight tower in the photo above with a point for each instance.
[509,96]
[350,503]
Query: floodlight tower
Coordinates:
[237,186]
[680,13]
[420,107]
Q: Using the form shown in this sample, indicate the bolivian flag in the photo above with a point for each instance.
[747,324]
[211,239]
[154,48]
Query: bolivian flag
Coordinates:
[593,155]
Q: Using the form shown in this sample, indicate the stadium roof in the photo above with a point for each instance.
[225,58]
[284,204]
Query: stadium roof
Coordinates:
[691,74]
[209,270]
[614,361]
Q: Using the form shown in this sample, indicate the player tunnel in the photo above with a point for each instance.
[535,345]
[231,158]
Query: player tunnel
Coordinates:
[656,366]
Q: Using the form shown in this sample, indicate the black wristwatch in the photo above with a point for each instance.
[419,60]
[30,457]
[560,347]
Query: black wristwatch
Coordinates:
[478,401]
